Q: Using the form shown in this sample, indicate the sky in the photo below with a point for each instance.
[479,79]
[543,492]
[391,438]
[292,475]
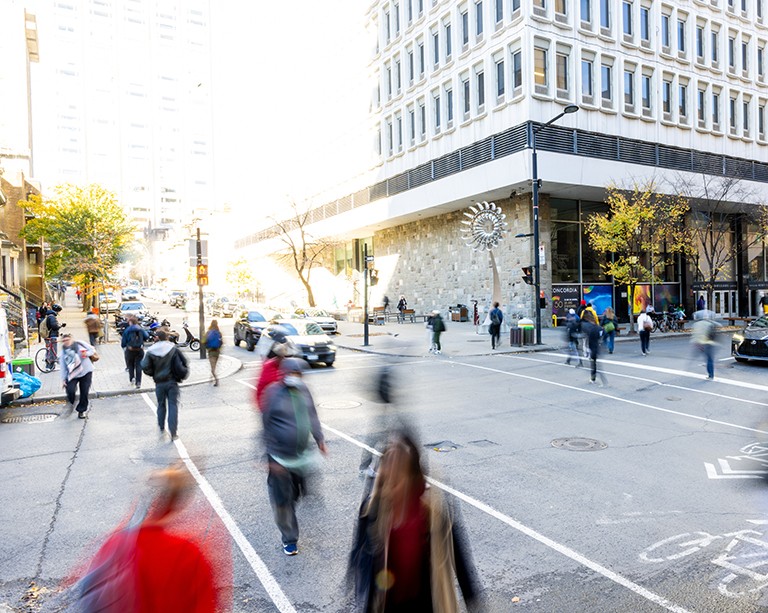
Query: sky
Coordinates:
[291,98]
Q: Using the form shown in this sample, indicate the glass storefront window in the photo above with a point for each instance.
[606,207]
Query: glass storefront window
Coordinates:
[591,269]
[565,252]
[756,256]
[564,210]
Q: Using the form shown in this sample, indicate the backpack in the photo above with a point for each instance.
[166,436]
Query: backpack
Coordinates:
[495,317]
[44,327]
[136,340]
[213,340]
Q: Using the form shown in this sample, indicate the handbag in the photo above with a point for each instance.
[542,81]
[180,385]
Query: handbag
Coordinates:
[609,327]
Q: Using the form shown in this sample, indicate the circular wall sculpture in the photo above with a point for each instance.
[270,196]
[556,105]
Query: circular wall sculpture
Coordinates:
[485,227]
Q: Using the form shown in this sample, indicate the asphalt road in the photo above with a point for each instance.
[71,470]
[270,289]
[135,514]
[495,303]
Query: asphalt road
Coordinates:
[668,513]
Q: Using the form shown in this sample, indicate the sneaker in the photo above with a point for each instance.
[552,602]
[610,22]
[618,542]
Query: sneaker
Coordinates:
[290,549]
[81,414]
[138,386]
[174,437]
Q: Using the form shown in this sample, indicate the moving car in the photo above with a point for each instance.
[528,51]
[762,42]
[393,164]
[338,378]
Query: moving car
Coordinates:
[250,321]
[108,302]
[313,344]
[751,343]
[223,307]
[321,316]
[133,308]
[129,293]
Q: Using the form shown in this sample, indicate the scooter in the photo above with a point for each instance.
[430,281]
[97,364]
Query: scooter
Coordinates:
[190,341]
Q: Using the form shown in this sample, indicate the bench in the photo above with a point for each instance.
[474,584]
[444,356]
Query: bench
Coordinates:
[377,317]
[732,320]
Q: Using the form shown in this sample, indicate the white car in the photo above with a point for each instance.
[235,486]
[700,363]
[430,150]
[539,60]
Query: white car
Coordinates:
[133,308]
[130,293]
[108,303]
[321,317]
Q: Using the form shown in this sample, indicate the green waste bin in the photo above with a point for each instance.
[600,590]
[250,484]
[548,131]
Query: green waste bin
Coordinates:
[24,364]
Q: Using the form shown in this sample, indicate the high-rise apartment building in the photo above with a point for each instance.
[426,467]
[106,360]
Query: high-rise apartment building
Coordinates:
[122,97]
[665,90]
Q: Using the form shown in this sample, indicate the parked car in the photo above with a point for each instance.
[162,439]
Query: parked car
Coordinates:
[133,308]
[312,343]
[108,302]
[130,293]
[751,343]
[321,316]
[250,321]
[223,307]
[177,298]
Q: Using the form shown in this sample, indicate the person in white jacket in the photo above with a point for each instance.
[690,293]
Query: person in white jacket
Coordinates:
[76,371]
[644,327]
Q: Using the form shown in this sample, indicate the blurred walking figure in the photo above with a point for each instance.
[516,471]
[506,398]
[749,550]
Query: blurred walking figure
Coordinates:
[436,325]
[703,339]
[213,343]
[273,348]
[289,417]
[573,336]
[132,342]
[409,547]
[609,322]
[701,304]
[76,371]
[402,304]
[165,363]
[93,325]
[592,333]
[147,566]
[644,327]
[497,317]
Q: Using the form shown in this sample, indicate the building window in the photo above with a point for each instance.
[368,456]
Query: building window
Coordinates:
[517,69]
[449,106]
[700,42]
[586,78]
[499,11]
[586,11]
[448,42]
[410,66]
[732,52]
[409,11]
[399,125]
[398,77]
[745,56]
[435,49]
[715,43]
[479,19]
[666,97]
[629,88]
[701,111]
[422,121]
[681,36]
[665,31]
[716,109]
[645,24]
[606,78]
[465,28]
[761,62]
[561,61]
[605,14]
[390,139]
[683,101]
[540,67]
[411,125]
[627,18]
[396,11]
[421,60]
[480,76]
[745,116]
[436,105]
[646,86]
[500,85]
[465,96]
[761,120]
[388,77]
[732,111]
[561,8]
[515,5]
[387,27]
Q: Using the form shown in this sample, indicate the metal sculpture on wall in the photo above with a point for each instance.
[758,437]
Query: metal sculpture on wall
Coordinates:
[484,229]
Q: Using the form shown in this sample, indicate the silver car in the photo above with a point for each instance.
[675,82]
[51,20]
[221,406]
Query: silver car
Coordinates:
[321,317]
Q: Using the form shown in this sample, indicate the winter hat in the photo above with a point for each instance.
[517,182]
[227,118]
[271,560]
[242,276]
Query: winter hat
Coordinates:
[583,303]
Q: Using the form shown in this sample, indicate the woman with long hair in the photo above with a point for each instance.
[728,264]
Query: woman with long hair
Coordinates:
[408,547]
[609,323]
[213,343]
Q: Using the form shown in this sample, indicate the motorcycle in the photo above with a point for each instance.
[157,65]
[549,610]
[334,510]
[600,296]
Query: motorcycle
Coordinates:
[190,341]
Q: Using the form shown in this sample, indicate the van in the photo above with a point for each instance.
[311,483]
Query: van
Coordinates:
[8,393]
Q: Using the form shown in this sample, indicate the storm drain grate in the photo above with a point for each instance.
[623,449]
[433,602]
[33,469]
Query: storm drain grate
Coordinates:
[578,444]
[443,446]
[339,405]
[30,419]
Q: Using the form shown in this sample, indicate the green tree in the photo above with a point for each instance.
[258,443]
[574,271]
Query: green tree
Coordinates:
[639,235]
[87,232]
[240,277]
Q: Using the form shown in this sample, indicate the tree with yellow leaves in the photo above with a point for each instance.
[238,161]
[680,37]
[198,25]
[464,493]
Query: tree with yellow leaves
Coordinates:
[640,233]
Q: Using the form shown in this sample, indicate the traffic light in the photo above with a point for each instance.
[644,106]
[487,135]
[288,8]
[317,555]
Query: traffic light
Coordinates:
[527,274]
[202,274]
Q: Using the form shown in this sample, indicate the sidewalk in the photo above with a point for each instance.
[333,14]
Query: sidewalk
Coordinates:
[110,377]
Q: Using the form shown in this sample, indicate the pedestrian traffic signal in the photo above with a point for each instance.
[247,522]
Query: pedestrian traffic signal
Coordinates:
[527,276]
[374,278]
[202,274]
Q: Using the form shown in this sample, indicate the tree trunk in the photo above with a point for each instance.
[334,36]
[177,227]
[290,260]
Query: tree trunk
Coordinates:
[310,295]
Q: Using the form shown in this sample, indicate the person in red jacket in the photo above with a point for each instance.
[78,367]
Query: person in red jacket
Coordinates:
[274,347]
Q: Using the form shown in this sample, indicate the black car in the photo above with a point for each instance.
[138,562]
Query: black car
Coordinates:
[752,342]
[249,324]
[312,343]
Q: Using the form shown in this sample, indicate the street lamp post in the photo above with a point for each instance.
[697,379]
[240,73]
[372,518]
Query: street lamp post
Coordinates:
[571,108]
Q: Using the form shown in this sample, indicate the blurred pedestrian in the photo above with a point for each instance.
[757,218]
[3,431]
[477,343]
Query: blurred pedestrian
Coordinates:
[609,322]
[402,305]
[132,342]
[409,548]
[273,347]
[497,317]
[701,304]
[644,327]
[165,363]
[76,371]
[289,418]
[573,336]
[385,302]
[703,339]
[93,326]
[593,333]
[213,343]
[149,565]
[437,327]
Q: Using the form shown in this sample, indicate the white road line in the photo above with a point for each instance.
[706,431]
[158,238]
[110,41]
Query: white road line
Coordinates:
[604,395]
[544,540]
[271,586]
[654,381]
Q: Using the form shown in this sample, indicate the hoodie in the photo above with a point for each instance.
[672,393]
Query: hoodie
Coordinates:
[157,362]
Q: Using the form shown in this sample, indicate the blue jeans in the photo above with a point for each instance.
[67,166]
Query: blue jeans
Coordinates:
[608,338]
[645,340]
[167,392]
[708,349]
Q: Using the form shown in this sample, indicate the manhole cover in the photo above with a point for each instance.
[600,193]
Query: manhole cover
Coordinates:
[578,444]
[337,405]
[483,443]
[443,446]
[30,419]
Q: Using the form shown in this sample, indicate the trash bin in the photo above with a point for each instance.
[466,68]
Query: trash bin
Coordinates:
[526,327]
[26,365]
[516,336]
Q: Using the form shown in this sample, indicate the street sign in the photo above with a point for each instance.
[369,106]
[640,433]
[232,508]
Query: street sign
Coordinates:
[193,261]
[369,258]
[193,249]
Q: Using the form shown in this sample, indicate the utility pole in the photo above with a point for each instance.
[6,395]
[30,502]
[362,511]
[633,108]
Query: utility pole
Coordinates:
[202,279]
[365,295]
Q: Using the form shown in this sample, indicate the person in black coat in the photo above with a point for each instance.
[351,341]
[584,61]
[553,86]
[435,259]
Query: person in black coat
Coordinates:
[593,333]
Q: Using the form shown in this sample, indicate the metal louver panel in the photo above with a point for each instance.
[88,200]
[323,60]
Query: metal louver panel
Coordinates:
[597,146]
[398,183]
[361,197]
[379,190]
[421,174]
[477,153]
[447,165]
[741,169]
[553,138]
[345,203]
[708,163]
[761,172]
[637,152]
[510,141]
[671,157]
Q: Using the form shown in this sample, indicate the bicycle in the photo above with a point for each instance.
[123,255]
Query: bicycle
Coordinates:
[47,358]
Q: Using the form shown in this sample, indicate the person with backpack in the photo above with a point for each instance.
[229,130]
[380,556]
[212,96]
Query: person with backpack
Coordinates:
[76,363]
[644,327]
[495,328]
[165,363]
[134,337]
[213,342]
[438,327]
[50,326]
